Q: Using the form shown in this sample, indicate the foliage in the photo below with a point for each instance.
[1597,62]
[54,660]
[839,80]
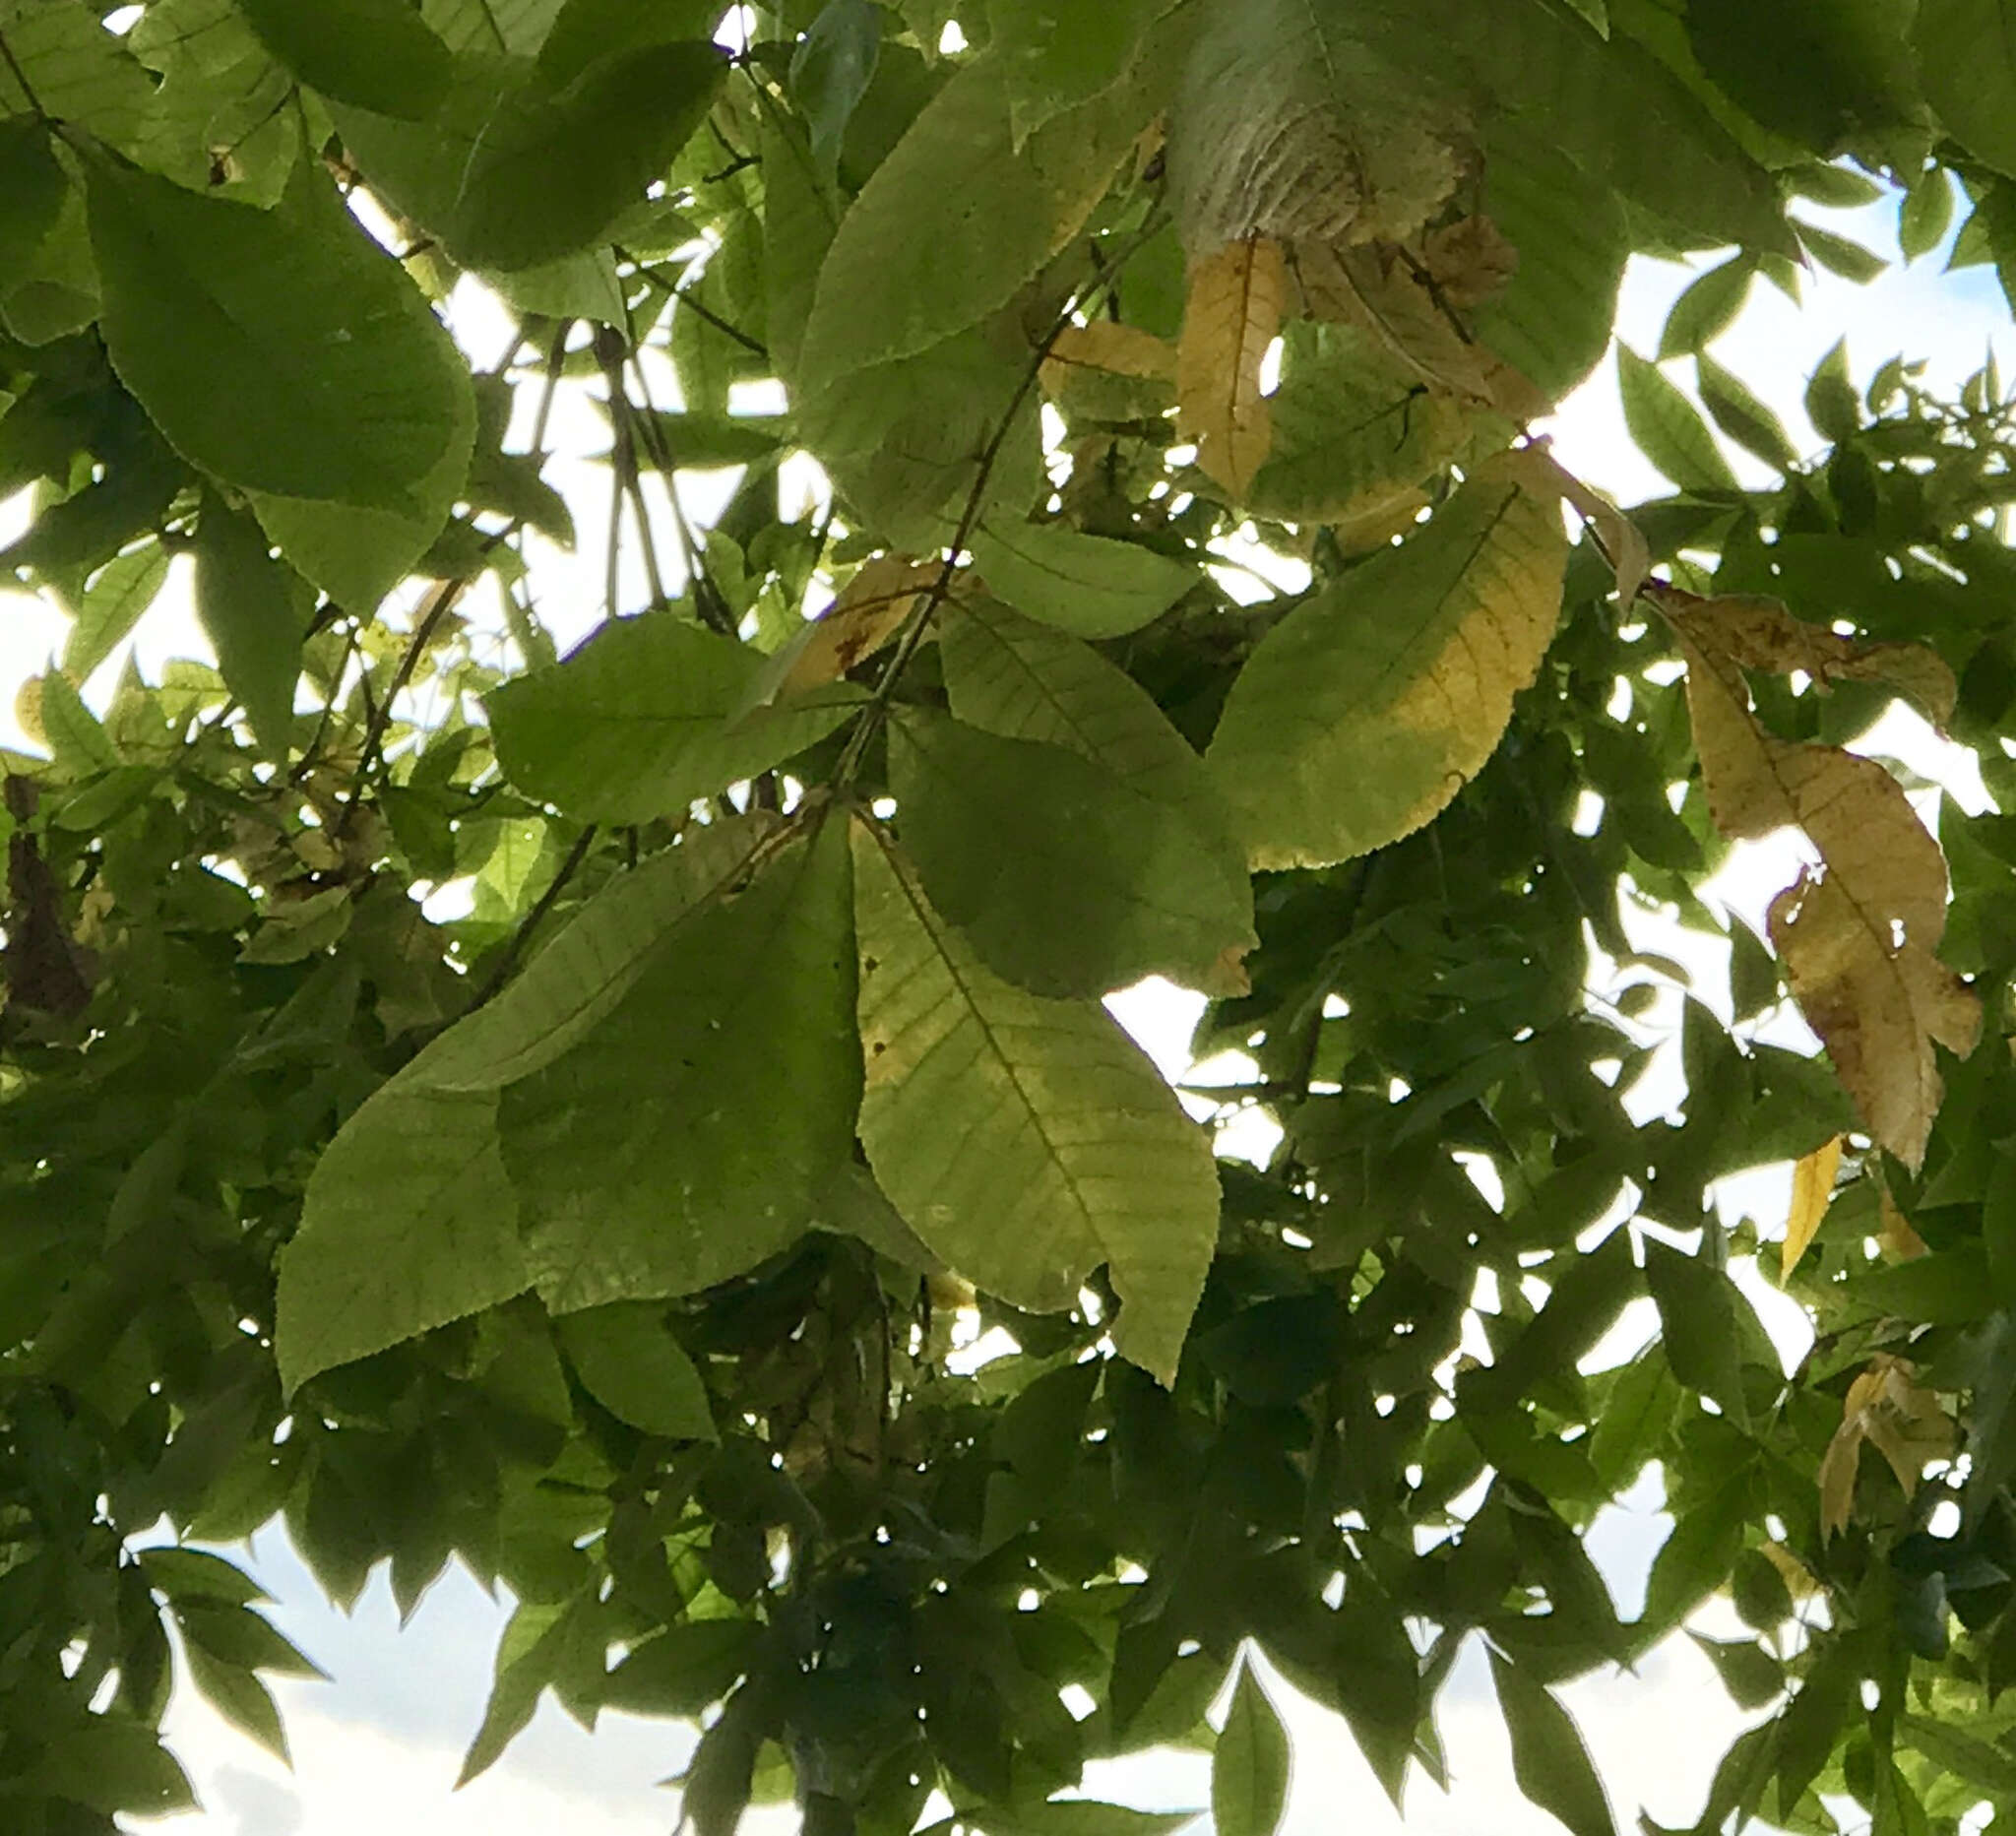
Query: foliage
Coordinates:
[627,1237]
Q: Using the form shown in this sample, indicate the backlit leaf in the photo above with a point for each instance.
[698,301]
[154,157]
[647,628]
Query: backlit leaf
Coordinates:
[1549,1758]
[250,614]
[1667,428]
[1813,1191]
[1364,711]
[632,1365]
[1237,298]
[1072,1151]
[1967,60]
[1089,585]
[1249,1767]
[376,54]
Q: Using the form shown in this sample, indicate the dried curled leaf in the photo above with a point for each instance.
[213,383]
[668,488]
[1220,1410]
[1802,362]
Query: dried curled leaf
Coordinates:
[1889,1411]
[1858,938]
[1813,1191]
[1234,310]
[1629,554]
[1469,260]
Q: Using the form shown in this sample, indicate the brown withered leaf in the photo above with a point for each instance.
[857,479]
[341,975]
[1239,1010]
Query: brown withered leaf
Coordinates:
[1759,633]
[1469,261]
[1898,1235]
[1378,289]
[1231,317]
[1813,1191]
[1858,938]
[1890,1411]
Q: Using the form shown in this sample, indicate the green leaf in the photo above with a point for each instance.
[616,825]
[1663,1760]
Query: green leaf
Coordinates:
[114,602]
[1850,260]
[1249,1769]
[647,716]
[240,1698]
[1749,1672]
[1967,61]
[831,69]
[1926,213]
[1966,1757]
[252,615]
[198,1576]
[1355,432]
[1065,880]
[1359,716]
[1695,1559]
[1740,416]
[685,1670]
[408,1221]
[1706,308]
[32,188]
[1552,321]
[1055,55]
[376,54]
[632,1365]
[635,1189]
[1549,1758]
[955,221]
[1698,1310]
[1026,681]
[1834,405]
[112,1764]
[1072,1151]
[280,350]
[585,30]
[1587,1298]
[554,168]
[1088,585]
[1667,428]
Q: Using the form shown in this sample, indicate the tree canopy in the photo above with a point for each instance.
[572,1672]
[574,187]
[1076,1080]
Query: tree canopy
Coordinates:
[743,1232]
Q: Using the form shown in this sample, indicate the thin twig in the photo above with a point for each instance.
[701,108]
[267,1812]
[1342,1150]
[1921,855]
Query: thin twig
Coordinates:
[445,597]
[500,970]
[26,88]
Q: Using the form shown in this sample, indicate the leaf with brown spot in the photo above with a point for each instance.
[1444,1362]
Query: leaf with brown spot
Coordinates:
[1813,1191]
[1858,938]
[870,610]
[1234,312]
[1118,350]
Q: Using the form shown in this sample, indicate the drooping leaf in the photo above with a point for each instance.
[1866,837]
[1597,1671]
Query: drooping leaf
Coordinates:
[1549,1758]
[250,614]
[1072,1150]
[647,716]
[112,604]
[1237,295]
[1249,1767]
[1361,714]
[280,349]
[1063,878]
[1858,940]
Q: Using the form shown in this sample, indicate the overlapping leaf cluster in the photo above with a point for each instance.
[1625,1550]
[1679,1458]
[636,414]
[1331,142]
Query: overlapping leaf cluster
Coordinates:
[745,1235]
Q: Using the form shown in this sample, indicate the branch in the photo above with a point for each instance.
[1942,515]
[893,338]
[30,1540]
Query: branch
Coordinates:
[500,970]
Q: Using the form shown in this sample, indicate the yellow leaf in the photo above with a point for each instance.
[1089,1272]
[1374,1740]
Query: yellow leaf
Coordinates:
[1813,1191]
[1377,291]
[1364,711]
[1119,350]
[1858,939]
[1234,312]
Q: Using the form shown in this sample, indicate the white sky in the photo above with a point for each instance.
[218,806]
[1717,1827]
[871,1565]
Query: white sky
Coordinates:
[378,1748]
